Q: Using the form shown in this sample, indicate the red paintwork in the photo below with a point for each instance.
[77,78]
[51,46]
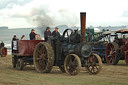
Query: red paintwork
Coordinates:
[3,52]
[26,47]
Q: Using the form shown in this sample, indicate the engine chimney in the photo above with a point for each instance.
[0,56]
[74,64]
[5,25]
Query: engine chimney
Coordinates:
[83,25]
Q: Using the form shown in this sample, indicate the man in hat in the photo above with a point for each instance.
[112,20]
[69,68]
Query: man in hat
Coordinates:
[32,34]
[55,33]
[47,33]
[15,38]
[2,44]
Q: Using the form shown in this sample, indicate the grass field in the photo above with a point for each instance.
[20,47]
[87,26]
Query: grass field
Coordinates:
[109,75]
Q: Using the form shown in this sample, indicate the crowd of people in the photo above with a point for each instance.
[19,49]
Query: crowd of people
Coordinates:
[34,36]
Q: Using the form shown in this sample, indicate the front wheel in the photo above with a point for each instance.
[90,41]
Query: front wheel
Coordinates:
[94,64]
[20,64]
[72,64]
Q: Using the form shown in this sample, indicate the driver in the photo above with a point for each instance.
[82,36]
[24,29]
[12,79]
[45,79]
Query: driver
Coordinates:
[116,39]
[124,40]
[56,33]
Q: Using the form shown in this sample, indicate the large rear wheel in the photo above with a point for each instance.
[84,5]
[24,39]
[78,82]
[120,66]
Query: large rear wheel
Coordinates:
[94,64]
[126,58]
[43,57]
[72,64]
[112,54]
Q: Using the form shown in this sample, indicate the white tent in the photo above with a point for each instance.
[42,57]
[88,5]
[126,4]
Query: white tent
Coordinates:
[97,30]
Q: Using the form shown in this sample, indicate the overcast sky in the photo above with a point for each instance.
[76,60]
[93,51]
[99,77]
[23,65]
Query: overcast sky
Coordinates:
[31,13]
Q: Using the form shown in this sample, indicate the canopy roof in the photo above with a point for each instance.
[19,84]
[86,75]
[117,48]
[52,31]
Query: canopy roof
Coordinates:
[122,31]
[108,32]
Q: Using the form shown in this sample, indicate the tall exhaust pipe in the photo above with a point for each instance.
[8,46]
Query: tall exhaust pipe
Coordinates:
[83,25]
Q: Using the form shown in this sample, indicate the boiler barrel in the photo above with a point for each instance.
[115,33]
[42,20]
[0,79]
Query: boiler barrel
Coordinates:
[81,49]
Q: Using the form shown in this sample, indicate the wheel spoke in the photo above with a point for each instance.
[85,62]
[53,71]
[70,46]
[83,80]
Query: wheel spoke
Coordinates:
[38,59]
[91,69]
[109,56]
[109,46]
[113,52]
[70,58]
[110,60]
[38,52]
[94,66]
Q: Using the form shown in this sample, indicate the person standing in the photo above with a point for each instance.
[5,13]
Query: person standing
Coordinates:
[56,33]
[2,44]
[15,38]
[23,37]
[38,37]
[116,39]
[32,34]
[14,42]
[47,33]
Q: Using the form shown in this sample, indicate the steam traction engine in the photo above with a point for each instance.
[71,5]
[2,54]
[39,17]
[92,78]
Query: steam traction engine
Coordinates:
[69,52]
[118,49]
[3,50]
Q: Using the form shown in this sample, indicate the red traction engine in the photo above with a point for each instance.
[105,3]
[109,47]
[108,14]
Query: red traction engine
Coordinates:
[118,49]
[3,51]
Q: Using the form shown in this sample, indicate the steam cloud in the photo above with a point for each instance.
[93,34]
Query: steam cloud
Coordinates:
[43,21]
[41,18]
[39,15]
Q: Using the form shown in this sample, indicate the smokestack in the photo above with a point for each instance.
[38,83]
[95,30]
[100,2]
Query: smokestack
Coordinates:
[83,25]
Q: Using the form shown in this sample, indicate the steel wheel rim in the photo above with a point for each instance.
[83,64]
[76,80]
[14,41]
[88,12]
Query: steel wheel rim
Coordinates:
[94,64]
[20,64]
[4,52]
[41,57]
[72,65]
[110,53]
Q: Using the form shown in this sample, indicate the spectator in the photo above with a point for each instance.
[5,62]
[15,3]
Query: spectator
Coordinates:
[23,37]
[15,38]
[2,44]
[38,37]
[32,34]
[124,40]
[116,39]
[124,37]
[55,33]
[47,33]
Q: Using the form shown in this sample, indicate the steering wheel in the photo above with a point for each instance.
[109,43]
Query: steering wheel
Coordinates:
[67,33]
